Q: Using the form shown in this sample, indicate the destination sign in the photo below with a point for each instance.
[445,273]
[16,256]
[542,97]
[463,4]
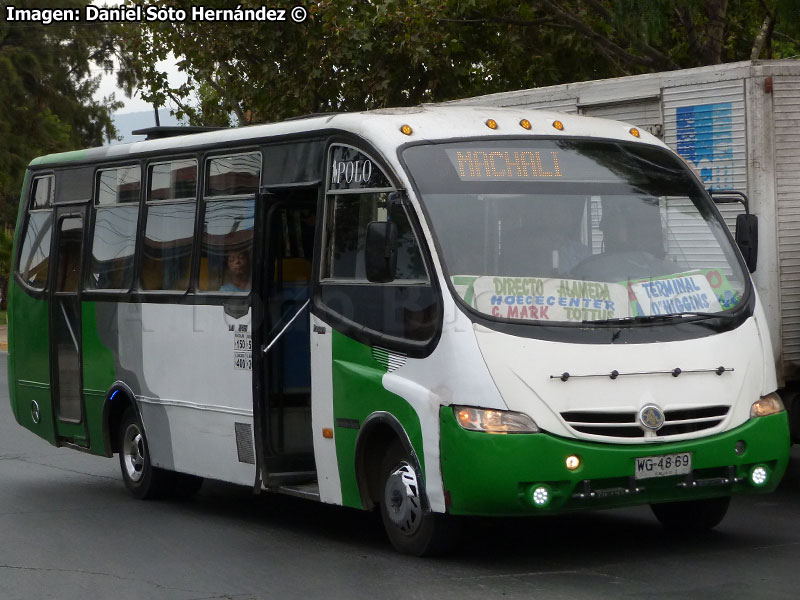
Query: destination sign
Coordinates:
[493,164]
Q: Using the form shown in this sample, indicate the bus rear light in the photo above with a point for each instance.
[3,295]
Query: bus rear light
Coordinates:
[494,421]
[768,405]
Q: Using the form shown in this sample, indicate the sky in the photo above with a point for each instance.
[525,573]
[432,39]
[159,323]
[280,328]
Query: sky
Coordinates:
[108,84]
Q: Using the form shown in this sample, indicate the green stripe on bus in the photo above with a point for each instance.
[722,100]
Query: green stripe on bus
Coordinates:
[358,392]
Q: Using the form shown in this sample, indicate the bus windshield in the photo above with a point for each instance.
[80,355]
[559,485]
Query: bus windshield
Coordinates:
[575,231]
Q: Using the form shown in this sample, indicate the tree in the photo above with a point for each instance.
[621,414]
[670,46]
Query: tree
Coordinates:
[364,54]
[46,96]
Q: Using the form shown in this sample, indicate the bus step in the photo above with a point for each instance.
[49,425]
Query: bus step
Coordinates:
[309,491]
[290,478]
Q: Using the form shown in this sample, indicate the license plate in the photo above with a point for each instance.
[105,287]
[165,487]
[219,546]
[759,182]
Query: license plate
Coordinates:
[663,466]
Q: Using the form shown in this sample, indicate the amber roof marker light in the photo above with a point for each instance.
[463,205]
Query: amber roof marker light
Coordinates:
[491,123]
[558,125]
[406,130]
[634,132]
[525,124]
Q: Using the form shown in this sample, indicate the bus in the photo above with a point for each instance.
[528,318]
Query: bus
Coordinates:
[435,312]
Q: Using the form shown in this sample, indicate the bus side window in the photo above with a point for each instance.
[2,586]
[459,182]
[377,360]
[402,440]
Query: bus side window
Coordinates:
[116,202]
[226,253]
[35,254]
[169,228]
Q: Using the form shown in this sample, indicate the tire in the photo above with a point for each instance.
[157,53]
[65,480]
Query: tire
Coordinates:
[410,528]
[692,516]
[143,480]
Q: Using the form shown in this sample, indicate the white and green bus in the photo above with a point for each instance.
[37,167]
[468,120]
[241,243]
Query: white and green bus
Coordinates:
[436,312]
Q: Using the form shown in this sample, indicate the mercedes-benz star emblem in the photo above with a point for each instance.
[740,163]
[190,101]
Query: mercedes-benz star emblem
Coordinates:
[651,417]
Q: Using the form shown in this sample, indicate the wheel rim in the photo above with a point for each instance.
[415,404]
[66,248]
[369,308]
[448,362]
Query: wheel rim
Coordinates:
[133,453]
[401,497]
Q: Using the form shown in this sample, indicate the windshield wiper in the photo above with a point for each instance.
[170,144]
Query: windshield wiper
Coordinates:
[657,318]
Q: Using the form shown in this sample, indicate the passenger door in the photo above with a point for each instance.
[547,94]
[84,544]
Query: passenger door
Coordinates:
[65,327]
[282,360]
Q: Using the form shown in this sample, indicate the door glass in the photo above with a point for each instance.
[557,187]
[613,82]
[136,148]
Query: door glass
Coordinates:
[66,322]
[288,362]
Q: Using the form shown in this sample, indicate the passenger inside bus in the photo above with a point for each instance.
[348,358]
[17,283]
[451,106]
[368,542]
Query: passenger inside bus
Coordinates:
[237,272]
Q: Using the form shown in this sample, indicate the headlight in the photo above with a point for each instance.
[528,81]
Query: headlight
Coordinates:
[768,405]
[494,421]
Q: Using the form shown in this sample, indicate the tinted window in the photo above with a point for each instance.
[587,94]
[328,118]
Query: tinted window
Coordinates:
[35,255]
[405,308]
[225,259]
[42,192]
[113,246]
[173,181]
[117,186]
[349,215]
[167,251]
[233,175]
[70,241]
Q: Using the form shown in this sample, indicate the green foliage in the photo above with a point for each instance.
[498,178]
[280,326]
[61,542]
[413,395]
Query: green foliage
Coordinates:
[366,54]
[46,96]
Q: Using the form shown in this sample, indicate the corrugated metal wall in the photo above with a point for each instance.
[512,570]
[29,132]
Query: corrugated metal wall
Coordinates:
[645,114]
[705,124]
[786,110]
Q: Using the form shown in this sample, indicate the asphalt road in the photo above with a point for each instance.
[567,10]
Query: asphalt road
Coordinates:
[68,530]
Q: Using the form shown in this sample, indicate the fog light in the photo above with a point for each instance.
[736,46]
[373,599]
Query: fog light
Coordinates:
[740,447]
[759,475]
[573,462]
[541,496]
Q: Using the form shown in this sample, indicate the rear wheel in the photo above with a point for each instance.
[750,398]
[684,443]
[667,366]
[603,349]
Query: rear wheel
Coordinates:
[142,479]
[694,515]
[410,528]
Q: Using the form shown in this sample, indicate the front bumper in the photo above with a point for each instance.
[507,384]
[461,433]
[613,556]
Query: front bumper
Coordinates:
[487,474]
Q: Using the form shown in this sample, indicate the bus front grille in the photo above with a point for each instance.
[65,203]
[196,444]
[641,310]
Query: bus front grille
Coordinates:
[625,424]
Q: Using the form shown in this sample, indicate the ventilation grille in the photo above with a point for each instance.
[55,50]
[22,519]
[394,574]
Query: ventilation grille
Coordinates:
[391,361]
[244,443]
[625,424]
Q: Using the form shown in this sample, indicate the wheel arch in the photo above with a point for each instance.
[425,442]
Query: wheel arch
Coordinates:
[118,398]
[376,435]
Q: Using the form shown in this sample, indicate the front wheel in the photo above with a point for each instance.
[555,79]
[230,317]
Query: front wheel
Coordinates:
[694,515]
[410,528]
[143,480]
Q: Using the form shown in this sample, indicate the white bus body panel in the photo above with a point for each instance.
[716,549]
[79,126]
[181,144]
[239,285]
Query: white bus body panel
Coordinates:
[190,394]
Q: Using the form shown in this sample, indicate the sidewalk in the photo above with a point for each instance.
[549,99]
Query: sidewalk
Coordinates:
[4,338]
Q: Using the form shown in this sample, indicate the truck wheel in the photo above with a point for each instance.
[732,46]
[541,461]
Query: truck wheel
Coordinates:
[410,528]
[694,515]
[143,480]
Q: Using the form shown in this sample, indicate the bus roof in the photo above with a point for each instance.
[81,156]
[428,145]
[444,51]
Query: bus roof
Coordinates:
[382,127]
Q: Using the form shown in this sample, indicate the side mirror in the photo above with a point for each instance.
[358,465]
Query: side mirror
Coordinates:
[380,258]
[747,239]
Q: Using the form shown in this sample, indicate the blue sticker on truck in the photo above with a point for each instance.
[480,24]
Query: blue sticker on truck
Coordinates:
[705,138]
